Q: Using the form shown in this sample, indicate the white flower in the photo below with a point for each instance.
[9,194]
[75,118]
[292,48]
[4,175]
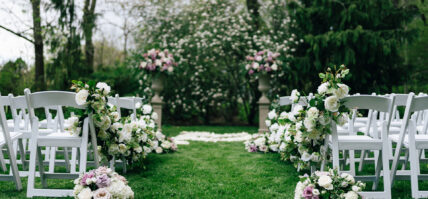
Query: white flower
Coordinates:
[342,91]
[138,105]
[273,147]
[138,149]
[160,136]
[344,184]
[299,190]
[356,188]
[282,146]
[268,123]
[313,112]
[323,88]
[159,150]
[102,193]
[166,145]
[81,97]
[297,109]
[324,120]
[272,115]
[147,149]
[78,188]
[125,136]
[316,192]
[115,116]
[309,124]
[170,69]
[143,64]
[351,195]
[332,104]
[294,97]
[105,87]
[342,119]
[122,148]
[325,181]
[155,115]
[260,141]
[158,62]
[298,137]
[258,58]
[306,156]
[147,109]
[86,193]
[274,127]
[274,67]
[348,177]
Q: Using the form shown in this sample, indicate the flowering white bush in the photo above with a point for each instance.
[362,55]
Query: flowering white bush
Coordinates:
[329,184]
[157,60]
[102,183]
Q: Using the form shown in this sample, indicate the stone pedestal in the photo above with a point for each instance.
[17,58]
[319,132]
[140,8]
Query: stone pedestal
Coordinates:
[263,102]
[157,103]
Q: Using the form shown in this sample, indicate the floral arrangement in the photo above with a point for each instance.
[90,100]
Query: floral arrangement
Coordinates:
[157,60]
[258,142]
[329,184]
[262,61]
[124,138]
[298,135]
[102,183]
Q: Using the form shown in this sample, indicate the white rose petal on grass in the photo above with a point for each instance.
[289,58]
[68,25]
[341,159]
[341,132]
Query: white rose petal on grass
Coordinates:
[82,96]
[332,103]
[86,193]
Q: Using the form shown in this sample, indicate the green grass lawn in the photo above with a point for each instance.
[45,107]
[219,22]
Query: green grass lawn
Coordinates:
[208,170]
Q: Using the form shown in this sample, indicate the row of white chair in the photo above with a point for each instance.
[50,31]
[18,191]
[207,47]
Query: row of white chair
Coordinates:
[45,138]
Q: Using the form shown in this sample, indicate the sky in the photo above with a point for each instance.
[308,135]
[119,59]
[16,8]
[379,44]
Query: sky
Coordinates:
[16,15]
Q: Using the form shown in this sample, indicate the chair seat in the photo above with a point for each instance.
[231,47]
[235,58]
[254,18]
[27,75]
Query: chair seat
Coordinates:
[358,142]
[420,128]
[13,136]
[420,139]
[11,124]
[392,129]
[59,139]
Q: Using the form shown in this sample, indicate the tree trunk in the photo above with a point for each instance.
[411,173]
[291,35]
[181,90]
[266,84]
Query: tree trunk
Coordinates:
[253,8]
[88,27]
[40,83]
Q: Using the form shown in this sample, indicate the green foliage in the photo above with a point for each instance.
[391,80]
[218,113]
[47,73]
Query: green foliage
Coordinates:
[366,36]
[15,76]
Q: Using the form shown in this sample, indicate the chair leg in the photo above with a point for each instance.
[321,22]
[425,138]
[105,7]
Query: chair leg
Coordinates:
[406,160]
[2,161]
[73,160]
[414,166]
[377,174]
[67,159]
[83,159]
[124,165]
[41,167]
[52,159]
[14,167]
[352,162]
[386,171]
[362,158]
[22,154]
[32,168]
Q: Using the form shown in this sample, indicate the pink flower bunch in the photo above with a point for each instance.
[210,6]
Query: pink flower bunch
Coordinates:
[157,60]
[262,61]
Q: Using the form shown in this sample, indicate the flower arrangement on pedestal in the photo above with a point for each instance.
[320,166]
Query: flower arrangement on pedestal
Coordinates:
[102,183]
[298,135]
[262,62]
[329,184]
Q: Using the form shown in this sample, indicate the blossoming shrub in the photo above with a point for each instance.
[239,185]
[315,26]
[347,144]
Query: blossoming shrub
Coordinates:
[158,61]
[329,184]
[102,183]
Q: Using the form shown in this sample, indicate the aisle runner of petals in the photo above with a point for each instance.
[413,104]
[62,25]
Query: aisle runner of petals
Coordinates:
[185,136]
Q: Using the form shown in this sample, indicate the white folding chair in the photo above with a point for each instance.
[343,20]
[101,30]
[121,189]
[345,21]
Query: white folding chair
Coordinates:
[57,139]
[6,139]
[413,142]
[366,142]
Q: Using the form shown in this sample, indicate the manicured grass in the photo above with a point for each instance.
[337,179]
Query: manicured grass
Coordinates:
[209,170]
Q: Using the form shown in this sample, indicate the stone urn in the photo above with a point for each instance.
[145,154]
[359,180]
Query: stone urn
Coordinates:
[157,103]
[263,102]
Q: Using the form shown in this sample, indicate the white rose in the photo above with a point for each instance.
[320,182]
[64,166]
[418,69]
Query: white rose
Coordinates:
[143,64]
[332,104]
[274,127]
[147,109]
[255,65]
[325,181]
[313,112]
[160,136]
[122,148]
[274,67]
[259,58]
[323,88]
[299,190]
[344,184]
[78,188]
[282,146]
[155,115]
[342,119]
[138,149]
[324,120]
[170,69]
[348,177]
[294,97]
[158,62]
[342,91]
[268,123]
[309,124]
[297,109]
[272,115]
[137,105]
[316,192]
[298,137]
[356,188]
[81,97]
[106,88]
[306,156]
[159,150]
[166,145]
[86,193]
[351,195]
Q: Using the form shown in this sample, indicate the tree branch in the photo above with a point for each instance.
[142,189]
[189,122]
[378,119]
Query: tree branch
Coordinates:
[17,34]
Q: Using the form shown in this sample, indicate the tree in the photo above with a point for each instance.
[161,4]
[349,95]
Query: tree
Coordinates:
[40,83]
[366,36]
[88,25]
